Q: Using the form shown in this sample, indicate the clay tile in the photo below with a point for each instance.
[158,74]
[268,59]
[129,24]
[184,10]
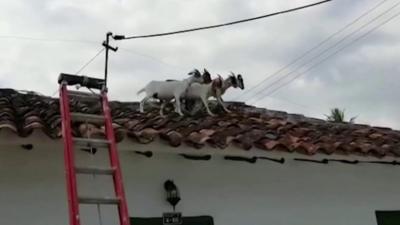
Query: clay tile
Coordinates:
[174,138]
[305,147]
[365,148]
[396,149]
[255,119]
[119,134]
[325,148]
[288,144]
[198,138]
[301,131]
[89,130]
[379,152]
[338,145]
[224,123]
[244,141]
[270,144]
[386,147]
[328,148]
[363,131]
[375,136]
[207,132]
[33,125]
[8,125]
[274,123]
[293,139]
[271,136]
[146,135]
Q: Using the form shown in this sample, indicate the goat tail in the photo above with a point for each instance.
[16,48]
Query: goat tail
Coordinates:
[140,91]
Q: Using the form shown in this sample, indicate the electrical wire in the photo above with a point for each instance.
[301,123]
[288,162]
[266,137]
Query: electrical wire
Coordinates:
[91,60]
[323,52]
[309,51]
[223,24]
[152,58]
[46,39]
[329,56]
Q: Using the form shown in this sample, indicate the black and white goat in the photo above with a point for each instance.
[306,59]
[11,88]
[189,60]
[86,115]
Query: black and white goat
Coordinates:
[165,91]
[216,89]
[203,92]
[231,81]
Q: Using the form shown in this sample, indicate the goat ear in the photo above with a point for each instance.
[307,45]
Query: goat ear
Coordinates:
[232,73]
[240,79]
[234,81]
[193,72]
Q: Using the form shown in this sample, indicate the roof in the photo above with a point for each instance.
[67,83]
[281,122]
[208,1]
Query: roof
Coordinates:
[246,127]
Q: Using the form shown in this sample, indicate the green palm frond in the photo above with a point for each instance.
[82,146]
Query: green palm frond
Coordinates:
[338,116]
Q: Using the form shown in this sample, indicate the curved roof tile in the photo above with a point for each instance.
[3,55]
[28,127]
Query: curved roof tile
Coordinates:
[246,127]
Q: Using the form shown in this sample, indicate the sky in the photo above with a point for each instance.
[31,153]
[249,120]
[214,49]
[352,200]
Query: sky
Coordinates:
[41,39]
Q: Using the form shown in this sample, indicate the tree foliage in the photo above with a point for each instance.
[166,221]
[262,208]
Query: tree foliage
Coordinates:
[337,115]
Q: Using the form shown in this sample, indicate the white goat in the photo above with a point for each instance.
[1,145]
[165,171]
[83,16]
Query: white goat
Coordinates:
[168,90]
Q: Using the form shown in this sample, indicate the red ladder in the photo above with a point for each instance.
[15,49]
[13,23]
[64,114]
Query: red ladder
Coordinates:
[71,170]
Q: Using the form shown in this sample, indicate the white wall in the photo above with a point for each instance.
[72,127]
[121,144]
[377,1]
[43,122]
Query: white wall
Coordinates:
[234,193]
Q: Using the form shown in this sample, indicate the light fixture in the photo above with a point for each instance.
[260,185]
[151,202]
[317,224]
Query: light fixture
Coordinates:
[172,193]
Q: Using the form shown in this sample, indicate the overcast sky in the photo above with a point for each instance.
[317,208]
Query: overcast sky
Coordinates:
[362,78]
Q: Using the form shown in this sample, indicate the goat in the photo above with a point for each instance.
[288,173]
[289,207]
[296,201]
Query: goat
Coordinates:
[168,90]
[203,92]
[217,90]
[231,81]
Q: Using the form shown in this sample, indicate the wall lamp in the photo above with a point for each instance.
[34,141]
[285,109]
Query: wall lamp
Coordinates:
[172,192]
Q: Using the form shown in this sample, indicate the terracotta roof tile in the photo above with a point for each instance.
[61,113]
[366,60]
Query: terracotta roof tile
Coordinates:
[246,127]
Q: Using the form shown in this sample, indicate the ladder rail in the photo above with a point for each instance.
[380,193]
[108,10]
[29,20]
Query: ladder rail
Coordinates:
[72,192]
[114,160]
[71,170]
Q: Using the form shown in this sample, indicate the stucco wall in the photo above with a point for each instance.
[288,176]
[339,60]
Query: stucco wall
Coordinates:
[234,193]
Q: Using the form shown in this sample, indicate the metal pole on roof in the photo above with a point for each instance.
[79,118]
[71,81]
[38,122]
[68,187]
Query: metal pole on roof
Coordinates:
[107,47]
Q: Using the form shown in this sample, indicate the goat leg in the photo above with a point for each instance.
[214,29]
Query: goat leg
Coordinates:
[178,105]
[221,102]
[205,103]
[163,103]
[142,104]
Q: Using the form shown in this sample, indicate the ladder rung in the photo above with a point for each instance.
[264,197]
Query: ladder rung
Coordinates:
[89,118]
[95,170]
[84,95]
[93,200]
[86,142]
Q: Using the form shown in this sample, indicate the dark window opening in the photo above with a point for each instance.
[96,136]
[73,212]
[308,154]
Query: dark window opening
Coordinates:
[388,217]
[187,220]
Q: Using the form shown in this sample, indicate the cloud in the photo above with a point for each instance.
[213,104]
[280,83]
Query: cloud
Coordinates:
[363,78]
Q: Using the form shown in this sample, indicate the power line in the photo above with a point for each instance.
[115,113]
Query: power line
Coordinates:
[119,37]
[329,56]
[323,52]
[310,50]
[91,60]
[46,39]
[152,58]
